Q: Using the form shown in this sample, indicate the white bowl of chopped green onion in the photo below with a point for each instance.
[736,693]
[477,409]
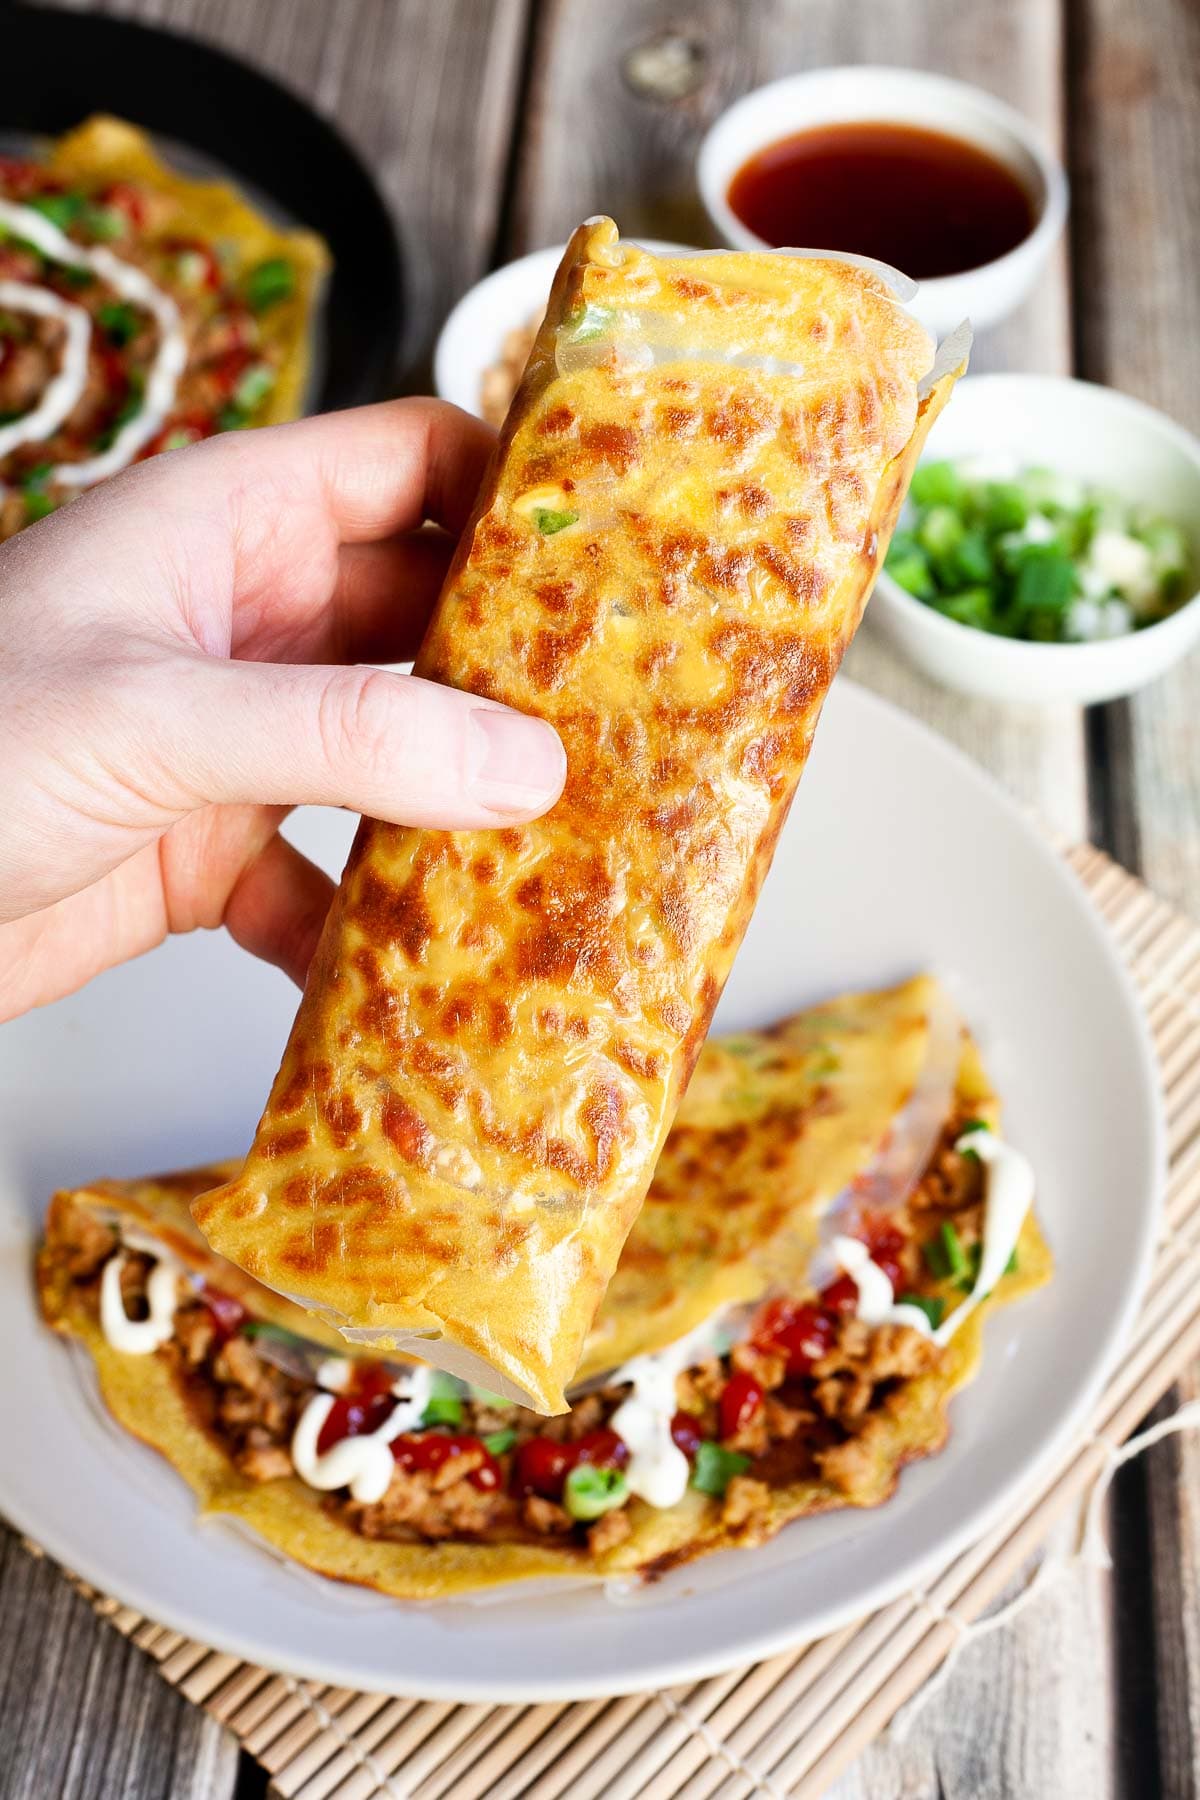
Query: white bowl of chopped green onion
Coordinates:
[1050,546]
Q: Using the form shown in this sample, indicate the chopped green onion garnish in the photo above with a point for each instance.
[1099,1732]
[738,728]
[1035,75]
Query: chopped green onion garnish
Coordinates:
[970,607]
[104,223]
[119,321]
[940,533]
[930,1304]
[715,1467]
[61,209]
[589,1492]
[911,569]
[135,394]
[1045,579]
[130,407]
[254,1328]
[497,1442]
[1005,508]
[38,506]
[590,324]
[486,1398]
[937,484]
[443,1410]
[254,386]
[965,1149]
[269,282]
[1040,557]
[548,521]
[973,559]
[36,477]
[974,1258]
[191,268]
[944,1254]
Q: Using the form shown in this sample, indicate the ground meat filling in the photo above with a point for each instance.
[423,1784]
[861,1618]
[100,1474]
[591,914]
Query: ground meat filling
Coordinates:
[798,1399]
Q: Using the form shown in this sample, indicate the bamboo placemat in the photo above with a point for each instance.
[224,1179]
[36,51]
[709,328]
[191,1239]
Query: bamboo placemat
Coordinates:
[788,1726]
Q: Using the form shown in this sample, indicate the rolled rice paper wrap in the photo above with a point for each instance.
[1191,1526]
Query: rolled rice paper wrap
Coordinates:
[673,547]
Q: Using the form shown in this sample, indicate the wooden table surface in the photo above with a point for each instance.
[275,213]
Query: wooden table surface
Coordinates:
[493,126]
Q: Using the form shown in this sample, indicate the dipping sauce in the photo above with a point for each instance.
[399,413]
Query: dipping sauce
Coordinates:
[928,203]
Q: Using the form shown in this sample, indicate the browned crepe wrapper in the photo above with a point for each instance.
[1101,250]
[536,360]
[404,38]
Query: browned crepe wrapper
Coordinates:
[692,493]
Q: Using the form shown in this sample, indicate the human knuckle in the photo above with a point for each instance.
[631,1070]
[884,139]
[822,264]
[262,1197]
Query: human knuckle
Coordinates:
[360,722]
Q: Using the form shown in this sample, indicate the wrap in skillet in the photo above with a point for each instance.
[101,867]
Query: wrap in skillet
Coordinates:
[692,492]
[795,1307]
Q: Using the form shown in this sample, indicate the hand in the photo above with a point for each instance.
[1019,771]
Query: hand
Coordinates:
[166,689]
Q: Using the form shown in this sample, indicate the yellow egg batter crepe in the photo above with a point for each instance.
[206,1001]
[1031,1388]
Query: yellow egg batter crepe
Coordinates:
[692,493]
[845,1116]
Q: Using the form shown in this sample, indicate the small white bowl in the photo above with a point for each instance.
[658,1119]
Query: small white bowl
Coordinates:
[471,339]
[907,97]
[1109,441]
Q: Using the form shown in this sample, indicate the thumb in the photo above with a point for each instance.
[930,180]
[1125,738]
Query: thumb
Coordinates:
[391,746]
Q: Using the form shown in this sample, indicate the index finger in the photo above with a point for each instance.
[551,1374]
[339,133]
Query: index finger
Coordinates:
[380,469]
[238,538]
[353,477]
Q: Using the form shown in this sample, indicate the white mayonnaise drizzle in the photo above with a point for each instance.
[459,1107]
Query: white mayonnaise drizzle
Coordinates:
[876,1299]
[334,1374]
[1010,1185]
[62,395]
[658,1471]
[1009,1196]
[130,282]
[138,1337]
[363,1464]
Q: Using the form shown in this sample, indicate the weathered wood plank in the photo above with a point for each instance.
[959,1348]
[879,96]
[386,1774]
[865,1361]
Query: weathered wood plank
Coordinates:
[1137,84]
[425,93]
[86,1716]
[1028,1711]
[1139,308]
[1022,1711]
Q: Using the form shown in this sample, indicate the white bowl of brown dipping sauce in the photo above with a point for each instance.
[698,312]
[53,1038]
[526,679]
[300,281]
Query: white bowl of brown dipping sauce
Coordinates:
[483,346]
[933,176]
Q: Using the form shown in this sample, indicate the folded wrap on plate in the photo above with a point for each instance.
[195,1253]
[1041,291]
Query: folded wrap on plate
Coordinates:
[691,496]
[830,1136]
[104,152]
